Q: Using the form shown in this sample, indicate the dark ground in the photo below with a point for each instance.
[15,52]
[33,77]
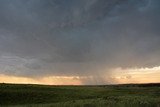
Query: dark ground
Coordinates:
[22,94]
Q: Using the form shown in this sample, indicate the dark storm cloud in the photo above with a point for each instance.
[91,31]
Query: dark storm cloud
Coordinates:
[85,37]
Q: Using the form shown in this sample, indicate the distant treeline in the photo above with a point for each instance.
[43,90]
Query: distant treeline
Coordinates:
[134,85]
[111,85]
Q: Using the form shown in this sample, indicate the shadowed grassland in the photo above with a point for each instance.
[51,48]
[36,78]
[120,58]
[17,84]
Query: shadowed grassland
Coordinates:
[133,95]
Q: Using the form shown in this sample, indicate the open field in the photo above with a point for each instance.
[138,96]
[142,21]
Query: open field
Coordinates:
[132,95]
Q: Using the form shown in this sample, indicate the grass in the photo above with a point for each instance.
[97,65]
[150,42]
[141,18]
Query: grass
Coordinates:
[133,95]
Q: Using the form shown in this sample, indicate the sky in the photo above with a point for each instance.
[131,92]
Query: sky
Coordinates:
[79,42]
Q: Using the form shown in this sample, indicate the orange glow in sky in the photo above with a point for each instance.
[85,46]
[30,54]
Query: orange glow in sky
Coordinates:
[134,75]
[53,80]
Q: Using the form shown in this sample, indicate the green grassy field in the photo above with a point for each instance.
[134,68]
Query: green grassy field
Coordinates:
[133,95]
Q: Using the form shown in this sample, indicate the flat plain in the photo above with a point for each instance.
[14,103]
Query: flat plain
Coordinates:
[124,95]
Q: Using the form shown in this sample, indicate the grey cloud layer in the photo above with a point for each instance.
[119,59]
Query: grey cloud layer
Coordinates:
[68,37]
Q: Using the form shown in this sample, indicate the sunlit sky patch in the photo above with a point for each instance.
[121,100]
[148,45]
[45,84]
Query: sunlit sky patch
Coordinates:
[118,76]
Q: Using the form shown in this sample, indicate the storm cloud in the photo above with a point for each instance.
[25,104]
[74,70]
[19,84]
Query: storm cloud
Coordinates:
[78,38]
